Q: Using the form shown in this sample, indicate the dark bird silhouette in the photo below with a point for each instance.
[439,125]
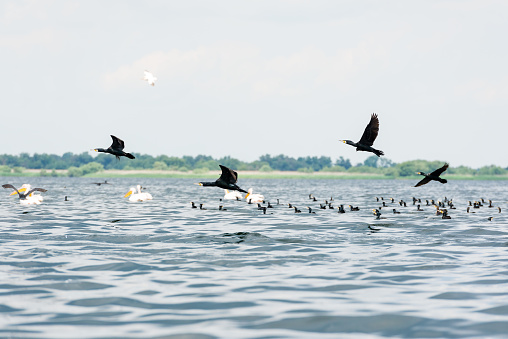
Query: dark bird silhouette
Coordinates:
[490,218]
[193,205]
[23,196]
[418,208]
[116,149]
[310,210]
[297,210]
[433,176]
[377,213]
[469,211]
[341,209]
[445,215]
[227,180]
[269,205]
[201,207]
[221,208]
[354,208]
[368,137]
[101,183]
[395,211]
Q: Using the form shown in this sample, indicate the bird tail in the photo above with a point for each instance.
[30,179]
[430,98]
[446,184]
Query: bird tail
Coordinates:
[130,156]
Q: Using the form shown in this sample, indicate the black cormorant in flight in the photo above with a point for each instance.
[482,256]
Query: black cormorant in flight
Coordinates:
[433,176]
[368,137]
[23,196]
[227,180]
[116,149]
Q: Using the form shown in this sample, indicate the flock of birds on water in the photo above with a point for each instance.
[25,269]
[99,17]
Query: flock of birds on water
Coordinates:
[228,179]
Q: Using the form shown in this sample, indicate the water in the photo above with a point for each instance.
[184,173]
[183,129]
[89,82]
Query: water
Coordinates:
[98,266]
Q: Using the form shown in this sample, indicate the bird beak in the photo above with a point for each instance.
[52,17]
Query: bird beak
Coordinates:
[198,183]
[21,190]
[344,141]
[128,193]
[95,149]
[247,195]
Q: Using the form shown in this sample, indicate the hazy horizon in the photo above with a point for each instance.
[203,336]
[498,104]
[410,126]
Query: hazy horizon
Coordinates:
[251,78]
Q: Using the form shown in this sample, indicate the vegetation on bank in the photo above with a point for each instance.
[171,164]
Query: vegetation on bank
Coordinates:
[77,165]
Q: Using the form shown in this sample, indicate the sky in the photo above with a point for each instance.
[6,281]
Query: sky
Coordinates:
[248,78]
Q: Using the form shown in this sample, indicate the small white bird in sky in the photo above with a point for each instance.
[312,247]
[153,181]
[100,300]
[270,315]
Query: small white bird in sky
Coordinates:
[149,78]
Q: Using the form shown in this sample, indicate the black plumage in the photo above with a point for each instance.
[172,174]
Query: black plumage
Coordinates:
[433,176]
[116,149]
[227,180]
[368,137]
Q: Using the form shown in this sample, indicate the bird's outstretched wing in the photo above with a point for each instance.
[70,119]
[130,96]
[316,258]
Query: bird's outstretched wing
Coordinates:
[423,181]
[228,175]
[35,190]
[14,188]
[370,133]
[117,143]
[439,170]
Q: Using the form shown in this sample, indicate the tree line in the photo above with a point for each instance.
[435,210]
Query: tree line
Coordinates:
[84,163]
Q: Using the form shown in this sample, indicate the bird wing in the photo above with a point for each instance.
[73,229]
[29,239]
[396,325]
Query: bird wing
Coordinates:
[14,188]
[370,133]
[439,170]
[423,181]
[117,143]
[35,190]
[228,175]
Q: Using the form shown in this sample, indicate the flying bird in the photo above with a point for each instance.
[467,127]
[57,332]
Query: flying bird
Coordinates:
[116,149]
[368,137]
[25,198]
[432,176]
[148,77]
[227,180]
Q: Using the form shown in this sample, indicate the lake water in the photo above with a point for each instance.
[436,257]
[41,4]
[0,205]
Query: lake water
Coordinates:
[99,266]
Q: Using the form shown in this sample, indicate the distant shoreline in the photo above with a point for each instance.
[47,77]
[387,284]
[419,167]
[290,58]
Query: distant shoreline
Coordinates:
[148,173]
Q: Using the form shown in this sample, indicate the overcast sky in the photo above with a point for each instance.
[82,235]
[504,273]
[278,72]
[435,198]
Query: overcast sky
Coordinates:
[247,78]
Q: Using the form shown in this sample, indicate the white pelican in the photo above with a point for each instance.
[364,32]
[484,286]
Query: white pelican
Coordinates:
[234,195]
[136,195]
[254,197]
[149,78]
[27,198]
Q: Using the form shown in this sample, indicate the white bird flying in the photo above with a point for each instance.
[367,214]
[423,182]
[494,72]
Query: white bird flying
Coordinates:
[148,77]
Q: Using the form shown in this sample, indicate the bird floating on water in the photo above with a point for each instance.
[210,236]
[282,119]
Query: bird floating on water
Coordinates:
[116,149]
[254,197]
[368,137]
[227,180]
[433,176]
[101,183]
[135,194]
[27,198]
[150,78]
[234,195]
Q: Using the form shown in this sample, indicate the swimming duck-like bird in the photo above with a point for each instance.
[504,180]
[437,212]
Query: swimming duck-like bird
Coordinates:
[26,198]
[433,176]
[135,194]
[254,197]
[149,77]
[368,137]
[116,149]
[227,180]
